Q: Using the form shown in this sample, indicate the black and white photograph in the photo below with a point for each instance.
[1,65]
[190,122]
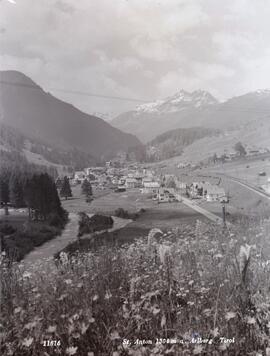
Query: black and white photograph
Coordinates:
[135,177]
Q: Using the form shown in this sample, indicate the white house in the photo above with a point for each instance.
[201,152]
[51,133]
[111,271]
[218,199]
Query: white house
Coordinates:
[180,185]
[150,188]
[79,175]
[214,193]
[131,183]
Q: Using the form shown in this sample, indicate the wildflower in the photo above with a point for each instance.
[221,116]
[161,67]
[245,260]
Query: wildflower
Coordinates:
[95,297]
[230,315]
[223,346]
[207,312]
[27,275]
[163,321]
[62,297]
[155,310]
[114,335]
[108,295]
[197,350]
[63,257]
[84,328]
[27,342]
[71,328]
[76,335]
[244,256]
[51,329]
[92,320]
[71,350]
[251,320]
[68,281]
[75,316]
[164,252]
[17,310]
[152,235]
[30,325]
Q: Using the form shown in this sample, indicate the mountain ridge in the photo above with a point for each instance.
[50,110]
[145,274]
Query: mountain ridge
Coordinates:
[149,120]
[41,115]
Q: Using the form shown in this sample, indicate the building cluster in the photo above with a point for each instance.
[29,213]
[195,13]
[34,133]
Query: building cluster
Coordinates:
[112,177]
[160,187]
[205,190]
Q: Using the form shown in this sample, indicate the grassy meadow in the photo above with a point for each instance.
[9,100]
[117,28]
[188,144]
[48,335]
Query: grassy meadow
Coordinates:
[194,290]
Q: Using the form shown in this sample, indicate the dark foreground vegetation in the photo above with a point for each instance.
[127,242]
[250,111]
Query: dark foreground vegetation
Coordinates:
[16,242]
[183,294]
[124,214]
[97,222]
[42,216]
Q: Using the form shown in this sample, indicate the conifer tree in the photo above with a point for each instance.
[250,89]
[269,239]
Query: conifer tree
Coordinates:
[86,190]
[65,190]
[58,183]
[4,190]
[16,191]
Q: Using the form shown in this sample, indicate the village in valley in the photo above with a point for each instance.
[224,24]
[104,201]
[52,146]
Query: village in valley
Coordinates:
[208,184]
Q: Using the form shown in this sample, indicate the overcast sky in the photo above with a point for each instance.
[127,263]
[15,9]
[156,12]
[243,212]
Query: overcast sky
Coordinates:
[144,49]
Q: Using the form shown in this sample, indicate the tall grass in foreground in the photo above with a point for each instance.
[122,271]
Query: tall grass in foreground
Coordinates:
[196,282]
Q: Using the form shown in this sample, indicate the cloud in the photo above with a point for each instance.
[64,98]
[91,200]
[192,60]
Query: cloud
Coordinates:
[64,7]
[139,48]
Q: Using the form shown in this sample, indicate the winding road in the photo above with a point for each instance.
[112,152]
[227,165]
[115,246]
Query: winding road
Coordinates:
[48,249]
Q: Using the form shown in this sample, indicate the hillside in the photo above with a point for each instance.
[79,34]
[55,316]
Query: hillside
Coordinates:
[173,142]
[185,110]
[15,143]
[254,136]
[37,114]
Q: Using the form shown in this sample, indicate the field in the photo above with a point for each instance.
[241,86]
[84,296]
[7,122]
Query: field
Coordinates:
[106,202]
[181,294]
[246,169]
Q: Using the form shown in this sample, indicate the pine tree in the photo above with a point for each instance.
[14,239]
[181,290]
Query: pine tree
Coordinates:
[86,190]
[16,191]
[58,183]
[41,196]
[65,190]
[4,190]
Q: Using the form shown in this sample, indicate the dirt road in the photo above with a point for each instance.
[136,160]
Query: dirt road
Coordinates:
[47,250]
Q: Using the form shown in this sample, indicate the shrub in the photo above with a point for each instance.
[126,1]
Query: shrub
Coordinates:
[21,242]
[124,214]
[56,220]
[121,213]
[7,229]
[97,222]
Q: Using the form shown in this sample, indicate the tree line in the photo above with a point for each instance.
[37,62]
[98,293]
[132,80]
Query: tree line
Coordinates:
[34,190]
[65,190]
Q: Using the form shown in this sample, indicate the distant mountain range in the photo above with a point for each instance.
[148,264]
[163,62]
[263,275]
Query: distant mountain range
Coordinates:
[40,116]
[196,109]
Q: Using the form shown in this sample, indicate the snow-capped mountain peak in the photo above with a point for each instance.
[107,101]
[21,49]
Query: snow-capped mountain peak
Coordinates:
[179,101]
[263,92]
